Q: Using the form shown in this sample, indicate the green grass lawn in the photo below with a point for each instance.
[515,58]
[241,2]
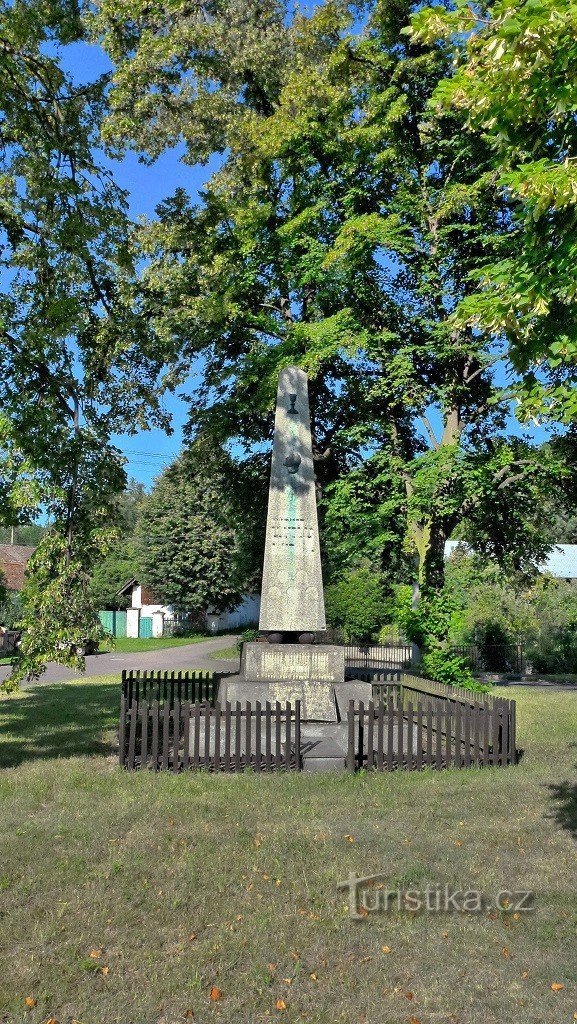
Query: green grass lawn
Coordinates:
[226,654]
[126,898]
[131,644]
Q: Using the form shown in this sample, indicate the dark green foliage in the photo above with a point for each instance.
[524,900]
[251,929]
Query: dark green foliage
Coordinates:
[10,609]
[356,605]
[29,535]
[111,572]
[191,532]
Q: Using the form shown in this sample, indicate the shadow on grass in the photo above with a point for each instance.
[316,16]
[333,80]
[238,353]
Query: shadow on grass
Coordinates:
[565,796]
[58,720]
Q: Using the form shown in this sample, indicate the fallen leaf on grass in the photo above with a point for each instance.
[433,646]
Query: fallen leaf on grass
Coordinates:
[386,949]
[458,842]
[313,977]
[556,986]
[506,952]
[414,1020]
[408,995]
[95,954]
[29,1001]
[215,994]
[104,970]
[444,935]
[525,975]
[271,967]
[280,1004]
[350,839]
[189,1014]
[192,937]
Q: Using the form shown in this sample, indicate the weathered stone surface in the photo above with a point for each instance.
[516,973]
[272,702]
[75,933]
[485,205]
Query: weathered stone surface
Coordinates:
[320,739]
[292,597]
[302,662]
[354,690]
[317,697]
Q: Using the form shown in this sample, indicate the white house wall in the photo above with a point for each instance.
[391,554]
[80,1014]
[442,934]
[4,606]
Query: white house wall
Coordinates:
[245,614]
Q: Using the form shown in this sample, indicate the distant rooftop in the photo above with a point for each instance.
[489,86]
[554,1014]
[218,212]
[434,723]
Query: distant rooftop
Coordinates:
[13,559]
[561,562]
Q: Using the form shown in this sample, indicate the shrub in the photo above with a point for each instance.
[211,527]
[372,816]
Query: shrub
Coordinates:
[356,605]
[247,637]
[444,666]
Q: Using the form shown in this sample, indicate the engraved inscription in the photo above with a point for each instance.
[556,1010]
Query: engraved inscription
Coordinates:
[292,665]
[287,531]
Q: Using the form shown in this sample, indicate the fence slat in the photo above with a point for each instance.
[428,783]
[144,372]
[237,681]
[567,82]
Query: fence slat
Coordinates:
[186,735]
[217,765]
[247,735]
[176,736]
[257,737]
[400,736]
[467,736]
[351,752]
[277,734]
[133,717]
[227,731]
[237,738]
[267,737]
[410,736]
[380,735]
[206,749]
[144,735]
[298,759]
[155,751]
[122,728]
[370,735]
[287,741]
[390,733]
[196,735]
[419,737]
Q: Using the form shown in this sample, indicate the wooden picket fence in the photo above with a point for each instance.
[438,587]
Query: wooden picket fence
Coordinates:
[431,733]
[170,686]
[158,735]
[173,722]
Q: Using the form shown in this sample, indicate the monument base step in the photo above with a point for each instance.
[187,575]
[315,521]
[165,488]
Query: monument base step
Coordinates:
[318,703]
[323,746]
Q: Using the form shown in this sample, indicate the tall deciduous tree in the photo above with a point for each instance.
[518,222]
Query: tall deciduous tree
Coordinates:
[195,531]
[76,359]
[340,233]
[516,83]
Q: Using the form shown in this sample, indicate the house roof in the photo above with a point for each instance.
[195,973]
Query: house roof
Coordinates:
[13,560]
[561,561]
[128,586]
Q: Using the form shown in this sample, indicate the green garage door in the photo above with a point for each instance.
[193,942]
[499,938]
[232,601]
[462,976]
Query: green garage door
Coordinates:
[114,622]
[145,628]
[120,623]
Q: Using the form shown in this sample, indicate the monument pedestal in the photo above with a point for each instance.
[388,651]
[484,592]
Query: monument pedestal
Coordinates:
[291,672]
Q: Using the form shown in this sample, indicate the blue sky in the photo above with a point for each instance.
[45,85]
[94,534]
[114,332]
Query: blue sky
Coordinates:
[148,451]
[147,185]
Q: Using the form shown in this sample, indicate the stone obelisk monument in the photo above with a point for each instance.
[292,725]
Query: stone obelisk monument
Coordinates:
[292,601]
[287,665]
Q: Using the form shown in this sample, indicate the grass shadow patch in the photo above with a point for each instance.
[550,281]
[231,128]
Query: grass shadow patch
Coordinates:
[71,719]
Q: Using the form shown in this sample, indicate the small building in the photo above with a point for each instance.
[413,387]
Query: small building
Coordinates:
[146,616]
[13,562]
